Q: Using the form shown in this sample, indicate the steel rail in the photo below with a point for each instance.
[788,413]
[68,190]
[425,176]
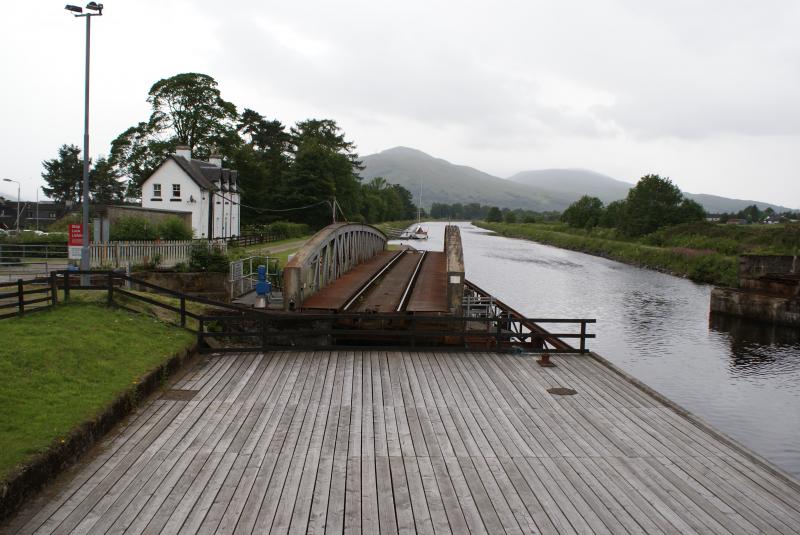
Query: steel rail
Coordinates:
[370,282]
[410,285]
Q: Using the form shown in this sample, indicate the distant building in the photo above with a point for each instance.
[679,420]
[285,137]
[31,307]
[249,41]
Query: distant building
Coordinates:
[737,222]
[206,189]
[32,215]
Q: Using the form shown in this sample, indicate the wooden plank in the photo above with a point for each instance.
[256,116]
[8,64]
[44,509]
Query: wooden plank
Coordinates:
[402,496]
[436,507]
[386,509]
[419,501]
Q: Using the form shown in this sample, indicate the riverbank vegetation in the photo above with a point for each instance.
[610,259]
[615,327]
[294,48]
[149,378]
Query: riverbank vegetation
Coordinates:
[62,367]
[701,251]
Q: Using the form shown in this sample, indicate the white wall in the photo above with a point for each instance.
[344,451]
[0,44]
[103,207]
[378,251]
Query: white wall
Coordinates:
[170,173]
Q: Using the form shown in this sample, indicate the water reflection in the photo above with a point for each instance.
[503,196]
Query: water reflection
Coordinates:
[758,348]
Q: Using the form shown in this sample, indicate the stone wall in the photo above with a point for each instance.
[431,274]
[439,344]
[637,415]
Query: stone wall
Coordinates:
[212,285]
[751,266]
[757,306]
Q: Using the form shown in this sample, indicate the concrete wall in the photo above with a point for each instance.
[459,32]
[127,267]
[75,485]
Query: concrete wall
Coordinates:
[757,265]
[758,306]
[454,255]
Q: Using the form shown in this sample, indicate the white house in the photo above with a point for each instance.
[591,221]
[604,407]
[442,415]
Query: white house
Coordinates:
[206,189]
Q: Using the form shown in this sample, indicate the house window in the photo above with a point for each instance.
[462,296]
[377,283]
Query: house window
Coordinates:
[176,191]
[51,215]
[156,190]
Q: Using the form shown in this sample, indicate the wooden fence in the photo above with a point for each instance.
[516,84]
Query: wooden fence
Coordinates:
[14,296]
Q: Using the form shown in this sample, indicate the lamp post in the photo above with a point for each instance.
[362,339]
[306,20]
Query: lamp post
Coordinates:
[18,201]
[93,10]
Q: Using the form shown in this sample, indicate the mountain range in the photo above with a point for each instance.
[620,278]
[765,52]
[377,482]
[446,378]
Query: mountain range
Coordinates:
[540,190]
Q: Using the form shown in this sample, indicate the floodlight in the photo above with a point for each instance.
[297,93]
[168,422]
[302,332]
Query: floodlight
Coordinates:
[76,9]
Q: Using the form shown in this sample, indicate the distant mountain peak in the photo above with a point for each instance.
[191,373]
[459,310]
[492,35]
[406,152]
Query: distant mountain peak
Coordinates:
[539,190]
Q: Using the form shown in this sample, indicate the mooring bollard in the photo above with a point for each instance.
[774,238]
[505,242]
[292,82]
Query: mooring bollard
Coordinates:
[544,361]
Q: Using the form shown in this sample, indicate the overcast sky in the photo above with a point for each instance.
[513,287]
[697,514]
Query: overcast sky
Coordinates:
[707,93]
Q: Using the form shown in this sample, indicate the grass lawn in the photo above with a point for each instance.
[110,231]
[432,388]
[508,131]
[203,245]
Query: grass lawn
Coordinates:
[61,367]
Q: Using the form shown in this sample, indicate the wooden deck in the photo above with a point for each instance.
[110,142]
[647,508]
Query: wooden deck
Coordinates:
[404,442]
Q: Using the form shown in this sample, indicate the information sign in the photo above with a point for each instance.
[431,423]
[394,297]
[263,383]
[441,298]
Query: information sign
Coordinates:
[75,235]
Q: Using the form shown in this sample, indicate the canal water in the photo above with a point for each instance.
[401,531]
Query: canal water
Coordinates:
[741,377]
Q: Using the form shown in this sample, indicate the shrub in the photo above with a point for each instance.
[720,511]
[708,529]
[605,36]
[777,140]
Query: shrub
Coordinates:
[133,228]
[205,258]
[174,228]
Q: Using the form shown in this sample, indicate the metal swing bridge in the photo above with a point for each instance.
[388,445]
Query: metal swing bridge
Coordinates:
[344,288]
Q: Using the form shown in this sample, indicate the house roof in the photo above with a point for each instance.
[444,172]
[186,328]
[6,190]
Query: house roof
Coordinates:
[195,170]
[205,174]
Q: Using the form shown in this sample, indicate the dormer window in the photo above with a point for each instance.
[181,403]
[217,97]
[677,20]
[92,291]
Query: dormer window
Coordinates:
[156,190]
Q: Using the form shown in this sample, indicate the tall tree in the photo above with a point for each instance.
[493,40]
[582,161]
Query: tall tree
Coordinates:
[652,203]
[104,183]
[584,213]
[64,175]
[186,109]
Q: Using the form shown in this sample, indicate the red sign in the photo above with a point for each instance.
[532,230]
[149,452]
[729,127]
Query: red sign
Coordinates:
[75,235]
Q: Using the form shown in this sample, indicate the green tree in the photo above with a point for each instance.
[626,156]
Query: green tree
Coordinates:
[652,203]
[494,215]
[584,213]
[186,109]
[104,184]
[64,175]
[751,214]
[612,214]
[509,217]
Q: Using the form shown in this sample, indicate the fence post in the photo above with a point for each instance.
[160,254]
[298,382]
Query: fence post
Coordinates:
[66,286]
[583,337]
[53,288]
[110,288]
[183,311]
[20,297]
[200,327]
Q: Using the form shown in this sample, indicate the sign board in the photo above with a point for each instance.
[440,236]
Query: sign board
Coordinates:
[74,252]
[75,235]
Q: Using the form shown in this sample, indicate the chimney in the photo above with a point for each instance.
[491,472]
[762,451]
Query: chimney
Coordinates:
[215,160]
[183,151]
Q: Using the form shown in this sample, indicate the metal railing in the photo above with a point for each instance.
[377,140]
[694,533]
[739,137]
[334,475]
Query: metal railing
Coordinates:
[238,328]
[243,274]
[256,331]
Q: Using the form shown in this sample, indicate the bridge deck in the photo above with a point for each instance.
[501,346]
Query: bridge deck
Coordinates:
[334,296]
[390,442]
[430,290]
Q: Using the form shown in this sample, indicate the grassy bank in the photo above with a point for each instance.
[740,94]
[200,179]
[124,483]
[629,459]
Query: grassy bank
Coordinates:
[61,367]
[701,265]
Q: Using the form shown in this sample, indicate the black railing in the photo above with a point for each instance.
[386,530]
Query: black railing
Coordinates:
[254,331]
[238,328]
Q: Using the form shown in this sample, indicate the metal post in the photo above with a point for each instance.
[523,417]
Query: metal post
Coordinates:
[85,244]
[20,297]
[583,337]
[66,286]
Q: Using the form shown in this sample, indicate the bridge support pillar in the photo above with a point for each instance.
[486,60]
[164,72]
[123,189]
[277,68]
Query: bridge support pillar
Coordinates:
[454,255]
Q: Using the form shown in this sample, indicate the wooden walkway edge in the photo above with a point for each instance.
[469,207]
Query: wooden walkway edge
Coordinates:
[404,442]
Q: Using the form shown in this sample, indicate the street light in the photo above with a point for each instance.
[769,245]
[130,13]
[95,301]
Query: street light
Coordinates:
[78,12]
[18,201]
